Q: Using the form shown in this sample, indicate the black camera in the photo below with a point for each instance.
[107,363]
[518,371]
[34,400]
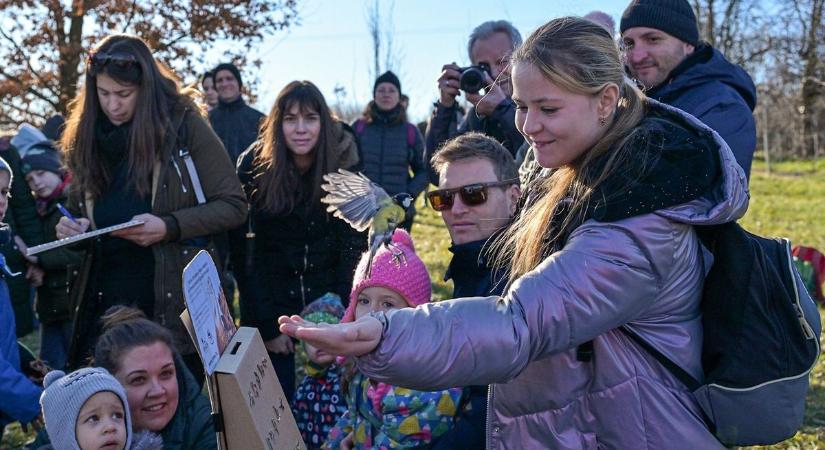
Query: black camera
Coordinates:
[472,77]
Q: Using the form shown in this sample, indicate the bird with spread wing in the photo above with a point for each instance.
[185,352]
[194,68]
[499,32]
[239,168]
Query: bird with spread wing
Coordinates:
[364,204]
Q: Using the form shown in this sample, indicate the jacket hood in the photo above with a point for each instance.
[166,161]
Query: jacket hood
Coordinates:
[727,200]
[188,388]
[673,165]
[28,137]
[706,65]
[346,146]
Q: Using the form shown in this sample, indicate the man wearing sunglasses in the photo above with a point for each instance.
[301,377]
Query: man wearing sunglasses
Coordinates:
[477,194]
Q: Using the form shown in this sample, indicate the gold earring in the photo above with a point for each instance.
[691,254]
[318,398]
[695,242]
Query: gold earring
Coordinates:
[602,121]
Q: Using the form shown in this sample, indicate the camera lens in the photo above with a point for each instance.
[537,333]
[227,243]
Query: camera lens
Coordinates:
[472,80]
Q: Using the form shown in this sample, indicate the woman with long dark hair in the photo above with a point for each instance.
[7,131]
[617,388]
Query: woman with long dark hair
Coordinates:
[605,248]
[139,148]
[295,250]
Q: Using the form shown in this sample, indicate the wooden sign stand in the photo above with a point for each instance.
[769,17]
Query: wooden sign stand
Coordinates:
[254,414]
[248,405]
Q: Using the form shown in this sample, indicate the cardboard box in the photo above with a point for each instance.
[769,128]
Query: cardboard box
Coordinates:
[254,412]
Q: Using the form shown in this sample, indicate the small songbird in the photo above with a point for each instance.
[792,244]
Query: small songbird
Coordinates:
[364,204]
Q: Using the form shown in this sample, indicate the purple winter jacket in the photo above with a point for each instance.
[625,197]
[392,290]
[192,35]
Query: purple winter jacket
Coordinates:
[645,272]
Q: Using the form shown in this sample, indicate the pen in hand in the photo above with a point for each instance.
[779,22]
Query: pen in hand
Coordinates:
[66,212]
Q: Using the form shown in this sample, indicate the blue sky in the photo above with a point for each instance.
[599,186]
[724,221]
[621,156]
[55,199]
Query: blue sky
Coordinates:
[332,46]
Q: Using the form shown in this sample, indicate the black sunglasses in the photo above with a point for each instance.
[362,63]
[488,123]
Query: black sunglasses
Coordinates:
[471,195]
[121,61]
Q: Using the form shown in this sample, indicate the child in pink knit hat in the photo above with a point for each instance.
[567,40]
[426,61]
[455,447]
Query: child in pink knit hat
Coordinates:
[380,415]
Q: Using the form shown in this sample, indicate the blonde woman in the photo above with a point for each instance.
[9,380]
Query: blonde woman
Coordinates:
[605,242]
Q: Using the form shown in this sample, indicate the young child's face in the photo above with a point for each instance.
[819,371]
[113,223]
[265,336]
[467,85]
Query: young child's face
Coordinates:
[5,185]
[101,423]
[43,182]
[318,356]
[376,299]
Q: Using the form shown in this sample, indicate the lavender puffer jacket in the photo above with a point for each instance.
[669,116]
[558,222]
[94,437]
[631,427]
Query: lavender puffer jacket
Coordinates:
[645,272]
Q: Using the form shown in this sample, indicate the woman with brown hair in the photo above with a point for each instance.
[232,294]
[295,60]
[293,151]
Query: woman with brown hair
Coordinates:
[295,251]
[138,148]
[163,396]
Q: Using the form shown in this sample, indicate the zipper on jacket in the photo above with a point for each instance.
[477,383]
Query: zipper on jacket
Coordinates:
[489,428]
[806,327]
[301,278]
[160,312]
[381,167]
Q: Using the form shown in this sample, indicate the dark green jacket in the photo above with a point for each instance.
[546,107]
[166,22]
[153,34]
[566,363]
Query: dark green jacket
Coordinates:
[21,216]
[60,265]
[189,225]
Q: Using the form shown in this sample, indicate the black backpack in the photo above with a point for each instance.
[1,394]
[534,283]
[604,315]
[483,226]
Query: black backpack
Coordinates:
[761,339]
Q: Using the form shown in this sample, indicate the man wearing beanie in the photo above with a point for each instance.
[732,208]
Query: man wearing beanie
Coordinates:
[663,52]
[235,122]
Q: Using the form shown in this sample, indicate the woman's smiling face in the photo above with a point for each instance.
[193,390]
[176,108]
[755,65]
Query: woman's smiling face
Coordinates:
[560,125]
[147,372]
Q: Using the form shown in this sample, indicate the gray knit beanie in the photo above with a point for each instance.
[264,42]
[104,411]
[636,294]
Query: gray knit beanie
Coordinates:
[63,397]
[674,17]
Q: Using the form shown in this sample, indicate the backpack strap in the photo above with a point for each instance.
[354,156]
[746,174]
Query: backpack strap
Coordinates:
[183,153]
[411,135]
[682,375]
[359,126]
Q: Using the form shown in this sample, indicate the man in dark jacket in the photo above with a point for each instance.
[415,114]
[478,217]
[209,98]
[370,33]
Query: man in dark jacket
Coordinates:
[663,52]
[477,195]
[235,122]
[492,113]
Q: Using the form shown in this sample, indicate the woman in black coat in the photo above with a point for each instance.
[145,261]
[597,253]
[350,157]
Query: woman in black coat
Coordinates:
[293,251]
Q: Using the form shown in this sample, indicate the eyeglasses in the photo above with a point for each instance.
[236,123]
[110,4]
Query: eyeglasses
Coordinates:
[471,194]
[121,61]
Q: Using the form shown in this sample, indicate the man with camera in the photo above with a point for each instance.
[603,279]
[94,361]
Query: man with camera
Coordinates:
[493,112]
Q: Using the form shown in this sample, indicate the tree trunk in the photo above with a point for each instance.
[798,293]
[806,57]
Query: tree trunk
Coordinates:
[811,90]
[70,47]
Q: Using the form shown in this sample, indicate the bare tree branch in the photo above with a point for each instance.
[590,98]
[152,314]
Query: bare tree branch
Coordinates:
[25,58]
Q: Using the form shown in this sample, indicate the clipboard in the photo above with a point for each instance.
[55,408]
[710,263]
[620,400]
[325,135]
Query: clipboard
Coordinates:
[80,237]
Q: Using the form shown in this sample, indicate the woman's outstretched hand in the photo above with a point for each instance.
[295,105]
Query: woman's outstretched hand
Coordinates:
[344,339]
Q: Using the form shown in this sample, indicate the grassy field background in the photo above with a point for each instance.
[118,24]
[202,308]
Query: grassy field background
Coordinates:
[789,201]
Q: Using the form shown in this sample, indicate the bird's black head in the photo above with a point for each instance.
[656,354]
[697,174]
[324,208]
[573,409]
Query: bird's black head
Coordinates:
[403,199]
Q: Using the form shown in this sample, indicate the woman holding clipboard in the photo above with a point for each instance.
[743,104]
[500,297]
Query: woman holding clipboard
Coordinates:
[139,149]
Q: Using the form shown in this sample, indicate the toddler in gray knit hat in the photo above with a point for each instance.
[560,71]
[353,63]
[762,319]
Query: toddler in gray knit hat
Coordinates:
[88,410]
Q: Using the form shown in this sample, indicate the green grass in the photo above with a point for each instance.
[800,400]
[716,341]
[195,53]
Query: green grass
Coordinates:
[789,202]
